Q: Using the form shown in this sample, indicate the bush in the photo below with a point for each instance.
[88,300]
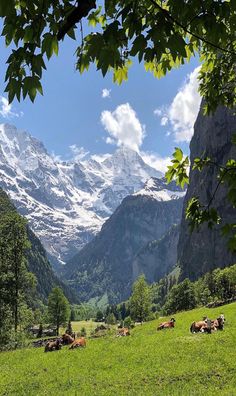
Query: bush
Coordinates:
[128,322]
[83,332]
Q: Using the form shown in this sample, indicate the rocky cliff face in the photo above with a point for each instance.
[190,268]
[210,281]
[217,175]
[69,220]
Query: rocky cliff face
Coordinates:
[105,265]
[157,258]
[202,251]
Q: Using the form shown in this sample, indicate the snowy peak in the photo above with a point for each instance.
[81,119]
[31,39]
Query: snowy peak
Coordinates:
[160,190]
[21,150]
[131,163]
[66,203]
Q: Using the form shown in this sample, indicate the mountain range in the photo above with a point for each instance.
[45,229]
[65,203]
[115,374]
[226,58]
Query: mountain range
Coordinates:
[108,265]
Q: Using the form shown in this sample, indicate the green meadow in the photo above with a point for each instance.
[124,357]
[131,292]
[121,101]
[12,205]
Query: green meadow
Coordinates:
[168,362]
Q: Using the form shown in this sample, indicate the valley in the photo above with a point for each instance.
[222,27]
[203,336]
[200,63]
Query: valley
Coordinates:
[172,362]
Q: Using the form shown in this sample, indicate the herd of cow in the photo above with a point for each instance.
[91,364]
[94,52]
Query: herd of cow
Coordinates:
[205,325]
[66,339]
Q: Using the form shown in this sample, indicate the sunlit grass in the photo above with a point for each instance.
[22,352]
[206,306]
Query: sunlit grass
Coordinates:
[170,362]
[89,326]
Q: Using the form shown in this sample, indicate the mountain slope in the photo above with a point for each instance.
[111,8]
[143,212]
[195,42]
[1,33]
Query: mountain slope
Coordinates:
[157,258]
[105,265]
[66,203]
[199,252]
[37,260]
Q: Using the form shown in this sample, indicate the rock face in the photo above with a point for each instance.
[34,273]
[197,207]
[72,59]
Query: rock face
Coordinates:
[157,258]
[202,251]
[66,203]
[107,265]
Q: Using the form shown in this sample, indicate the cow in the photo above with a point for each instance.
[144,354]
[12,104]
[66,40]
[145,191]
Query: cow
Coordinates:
[201,326]
[123,332]
[219,322]
[53,346]
[207,325]
[78,342]
[167,325]
[67,339]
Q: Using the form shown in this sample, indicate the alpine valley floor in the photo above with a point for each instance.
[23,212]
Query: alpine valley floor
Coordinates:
[171,362]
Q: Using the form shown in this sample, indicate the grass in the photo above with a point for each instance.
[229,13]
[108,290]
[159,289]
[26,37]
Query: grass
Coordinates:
[89,326]
[170,362]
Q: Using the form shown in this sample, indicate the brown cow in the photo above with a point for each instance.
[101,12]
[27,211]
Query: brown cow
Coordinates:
[219,322]
[201,326]
[207,325]
[79,342]
[67,339]
[52,346]
[123,332]
[167,325]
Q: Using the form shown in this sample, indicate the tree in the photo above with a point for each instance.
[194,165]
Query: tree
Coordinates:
[111,319]
[15,279]
[140,300]
[99,316]
[181,297]
[161,34]
[123,311]
[58,308]
[69,329]
[83,332]
[128,322]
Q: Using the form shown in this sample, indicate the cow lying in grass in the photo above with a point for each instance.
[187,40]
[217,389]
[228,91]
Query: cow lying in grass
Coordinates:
[67,339]
[123,332]
[52,346]
[219,322]
[207,325]
[78,342]
[167,325]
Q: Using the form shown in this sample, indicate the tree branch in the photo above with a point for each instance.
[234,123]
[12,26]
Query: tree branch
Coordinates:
[82,10]
[185,28]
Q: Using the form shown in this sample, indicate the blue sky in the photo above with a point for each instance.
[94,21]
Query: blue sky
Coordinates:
[71,110]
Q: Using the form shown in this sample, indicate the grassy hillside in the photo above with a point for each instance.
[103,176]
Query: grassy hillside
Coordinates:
[170,362]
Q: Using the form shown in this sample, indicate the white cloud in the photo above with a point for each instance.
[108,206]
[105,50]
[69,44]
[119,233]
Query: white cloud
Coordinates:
[164,121]
[124,127]
[158,112]
[156,161]
[6,109]
[78,152]
[182,112]
[106,93]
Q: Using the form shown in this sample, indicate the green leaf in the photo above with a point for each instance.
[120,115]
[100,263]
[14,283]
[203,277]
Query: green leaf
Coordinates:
[139,44]
[6,7]
[120,75]
[178,154]
[71,34]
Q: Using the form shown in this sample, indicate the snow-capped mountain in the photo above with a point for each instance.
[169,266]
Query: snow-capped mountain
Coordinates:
[139,238]
[66,203]
[160,190]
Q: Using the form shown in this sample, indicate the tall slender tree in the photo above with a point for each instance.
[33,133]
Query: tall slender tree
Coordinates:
[58,308]
[140,300]
[14,277]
